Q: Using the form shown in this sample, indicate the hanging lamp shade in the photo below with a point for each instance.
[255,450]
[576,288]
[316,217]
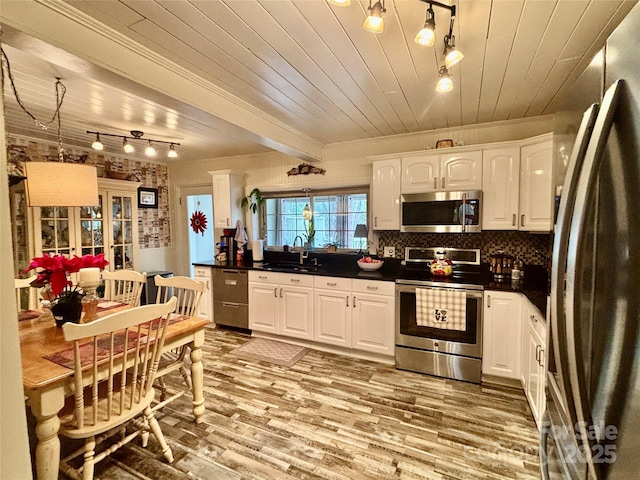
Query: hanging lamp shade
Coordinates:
[57,184]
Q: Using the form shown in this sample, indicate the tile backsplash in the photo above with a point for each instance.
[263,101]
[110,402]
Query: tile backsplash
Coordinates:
[519,244]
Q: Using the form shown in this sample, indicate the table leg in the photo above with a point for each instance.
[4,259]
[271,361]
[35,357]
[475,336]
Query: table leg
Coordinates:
[197,378]
[45,406]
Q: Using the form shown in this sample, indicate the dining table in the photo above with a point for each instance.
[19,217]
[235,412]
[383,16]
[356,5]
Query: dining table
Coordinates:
[47,374]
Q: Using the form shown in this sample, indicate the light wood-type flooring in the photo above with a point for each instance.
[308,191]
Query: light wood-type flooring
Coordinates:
[334,417]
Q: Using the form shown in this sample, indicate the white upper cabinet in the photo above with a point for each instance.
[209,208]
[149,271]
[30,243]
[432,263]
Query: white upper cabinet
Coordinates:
[501,188]
[536,192]
[442,172]
[228,190]
[385,194]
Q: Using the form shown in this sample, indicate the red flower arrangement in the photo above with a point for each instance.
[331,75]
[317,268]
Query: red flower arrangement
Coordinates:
[55,269]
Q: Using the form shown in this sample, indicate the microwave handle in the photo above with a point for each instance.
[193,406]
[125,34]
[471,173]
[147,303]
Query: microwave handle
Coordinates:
[464,212]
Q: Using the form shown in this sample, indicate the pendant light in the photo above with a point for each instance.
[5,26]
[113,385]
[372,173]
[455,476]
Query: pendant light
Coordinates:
[306,211]
[374,23]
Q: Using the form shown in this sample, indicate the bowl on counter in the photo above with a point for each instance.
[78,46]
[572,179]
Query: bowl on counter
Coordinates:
[370,264]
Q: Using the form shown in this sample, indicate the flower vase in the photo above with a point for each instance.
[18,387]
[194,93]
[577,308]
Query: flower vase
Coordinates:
[67,308]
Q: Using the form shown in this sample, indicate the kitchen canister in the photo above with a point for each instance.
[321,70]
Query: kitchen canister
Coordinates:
[258,250]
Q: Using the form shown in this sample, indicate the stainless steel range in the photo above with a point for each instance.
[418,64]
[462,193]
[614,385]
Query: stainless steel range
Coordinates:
[439,319]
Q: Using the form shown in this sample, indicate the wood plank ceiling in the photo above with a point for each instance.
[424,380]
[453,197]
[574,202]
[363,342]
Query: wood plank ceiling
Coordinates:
[311,66]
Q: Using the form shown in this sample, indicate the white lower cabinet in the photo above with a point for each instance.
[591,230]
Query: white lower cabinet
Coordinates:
[534,359]
[281,304]
[203,274]
[352,314]
[501,348]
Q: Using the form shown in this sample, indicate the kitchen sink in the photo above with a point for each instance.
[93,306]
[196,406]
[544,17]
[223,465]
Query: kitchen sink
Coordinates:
[290,267]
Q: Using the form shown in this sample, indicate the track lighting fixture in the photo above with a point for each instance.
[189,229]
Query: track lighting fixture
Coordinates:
[97,144]
[445,84]
[427,36]
[374,22]
[128,147]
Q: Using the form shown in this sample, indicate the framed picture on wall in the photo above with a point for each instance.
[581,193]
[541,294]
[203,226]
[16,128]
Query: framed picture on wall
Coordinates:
[147,197]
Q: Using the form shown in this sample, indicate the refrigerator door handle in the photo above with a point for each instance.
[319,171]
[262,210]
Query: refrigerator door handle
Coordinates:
[544,457]
[559,255]
[578,237]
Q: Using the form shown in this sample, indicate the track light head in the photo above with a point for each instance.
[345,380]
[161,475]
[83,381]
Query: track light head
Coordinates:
[172,152]
[451,54]
[374,23]
[445,84]
[127,147]
[427,36]
[97,144]
[150,151]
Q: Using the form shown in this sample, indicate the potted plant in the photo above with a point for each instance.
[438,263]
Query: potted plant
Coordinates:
[254,200]
[309,232]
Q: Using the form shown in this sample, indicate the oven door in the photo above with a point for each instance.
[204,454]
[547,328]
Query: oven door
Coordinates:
[467,342]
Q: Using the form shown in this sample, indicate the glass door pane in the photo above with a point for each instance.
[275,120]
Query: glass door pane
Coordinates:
[54,230]
[122,231]
[92,229]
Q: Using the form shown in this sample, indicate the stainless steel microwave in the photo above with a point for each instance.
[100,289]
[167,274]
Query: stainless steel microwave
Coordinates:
[441,212]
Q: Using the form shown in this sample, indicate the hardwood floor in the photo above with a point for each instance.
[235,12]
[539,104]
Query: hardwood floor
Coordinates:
[334,417]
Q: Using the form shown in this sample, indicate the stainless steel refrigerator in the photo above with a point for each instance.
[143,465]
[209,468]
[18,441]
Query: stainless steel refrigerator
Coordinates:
[591,427]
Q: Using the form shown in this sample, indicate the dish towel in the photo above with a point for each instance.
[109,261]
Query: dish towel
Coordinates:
[441,308]
[241,235]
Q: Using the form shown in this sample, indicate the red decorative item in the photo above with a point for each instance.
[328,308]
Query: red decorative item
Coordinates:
[198,222]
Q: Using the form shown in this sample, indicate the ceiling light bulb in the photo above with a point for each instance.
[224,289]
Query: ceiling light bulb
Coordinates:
[427,36]
[451,54]
[97,144]
[150,151]
[445,84]
[172,152]
[374,22]
[127,147]
[340,3]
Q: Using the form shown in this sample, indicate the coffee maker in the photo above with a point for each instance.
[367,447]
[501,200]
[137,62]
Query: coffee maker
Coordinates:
[229,246]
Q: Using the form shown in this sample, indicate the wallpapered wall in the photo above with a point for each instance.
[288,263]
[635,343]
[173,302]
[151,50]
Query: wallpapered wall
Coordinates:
[154,226]
[519,244]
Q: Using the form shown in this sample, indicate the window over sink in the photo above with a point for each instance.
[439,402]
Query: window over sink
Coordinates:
[335,214]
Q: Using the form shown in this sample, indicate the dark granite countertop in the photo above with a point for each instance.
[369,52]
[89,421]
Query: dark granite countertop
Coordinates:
[534,285]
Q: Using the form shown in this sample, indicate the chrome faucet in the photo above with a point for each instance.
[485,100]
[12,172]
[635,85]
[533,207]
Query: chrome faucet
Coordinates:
[295,240]
[303,255]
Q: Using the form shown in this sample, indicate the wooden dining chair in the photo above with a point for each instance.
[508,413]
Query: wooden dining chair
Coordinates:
[124,286]
[23,287]
[189,294]
[114,366]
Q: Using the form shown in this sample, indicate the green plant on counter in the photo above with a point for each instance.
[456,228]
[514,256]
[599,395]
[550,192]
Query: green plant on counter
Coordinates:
[309,230]
[254,200]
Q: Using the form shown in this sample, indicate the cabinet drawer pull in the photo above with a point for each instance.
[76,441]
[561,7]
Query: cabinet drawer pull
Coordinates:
[369,287]
[513,220]
[295,280]
[331,284]
[230,304]
[262,277]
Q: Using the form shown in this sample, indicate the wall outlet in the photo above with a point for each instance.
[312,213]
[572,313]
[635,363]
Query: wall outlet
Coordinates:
[389,252]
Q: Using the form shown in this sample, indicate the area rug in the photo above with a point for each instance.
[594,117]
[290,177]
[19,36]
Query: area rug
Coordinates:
[270,351]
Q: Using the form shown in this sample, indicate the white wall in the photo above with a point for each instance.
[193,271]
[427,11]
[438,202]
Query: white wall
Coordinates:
[15,461]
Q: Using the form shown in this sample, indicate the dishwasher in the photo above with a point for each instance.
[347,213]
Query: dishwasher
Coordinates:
[231,297]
